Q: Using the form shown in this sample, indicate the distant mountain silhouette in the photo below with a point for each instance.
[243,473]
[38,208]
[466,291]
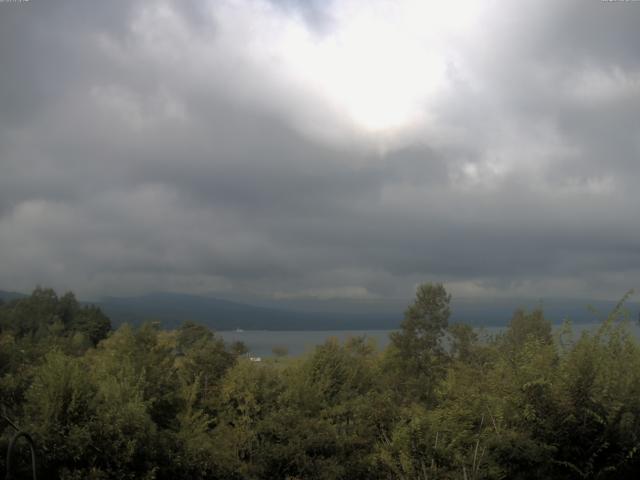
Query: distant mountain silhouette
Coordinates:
[498,312]
[172,309]
[6,296]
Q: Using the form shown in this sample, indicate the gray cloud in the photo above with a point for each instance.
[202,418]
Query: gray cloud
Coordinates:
[151,146]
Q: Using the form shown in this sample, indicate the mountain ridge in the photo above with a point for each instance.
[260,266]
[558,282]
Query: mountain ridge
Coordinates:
[172,309]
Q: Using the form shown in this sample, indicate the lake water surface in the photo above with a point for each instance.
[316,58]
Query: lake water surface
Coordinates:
[262,342]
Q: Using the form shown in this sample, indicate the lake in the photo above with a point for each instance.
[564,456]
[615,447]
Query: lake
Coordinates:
[261,342]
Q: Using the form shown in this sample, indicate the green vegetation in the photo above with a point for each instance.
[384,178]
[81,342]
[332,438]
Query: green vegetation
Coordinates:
[438,403]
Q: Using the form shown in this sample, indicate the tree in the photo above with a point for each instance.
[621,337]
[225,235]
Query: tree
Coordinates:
[526,327]
[463,341]
[90,321]
[416,350]
[238,348]
[424,321]
[280,351]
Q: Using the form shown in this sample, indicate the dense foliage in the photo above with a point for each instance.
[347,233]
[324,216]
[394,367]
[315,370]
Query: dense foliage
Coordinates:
[438,403]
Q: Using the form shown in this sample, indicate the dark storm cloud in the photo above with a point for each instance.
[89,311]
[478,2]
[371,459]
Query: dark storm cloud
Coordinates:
[143,148]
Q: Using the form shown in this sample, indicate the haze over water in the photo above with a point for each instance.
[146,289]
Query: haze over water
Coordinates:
[262,342]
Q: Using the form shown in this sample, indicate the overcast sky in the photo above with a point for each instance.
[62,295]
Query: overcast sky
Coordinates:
[344,148]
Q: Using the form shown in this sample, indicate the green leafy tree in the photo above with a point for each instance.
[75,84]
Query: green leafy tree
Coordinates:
[59,411]
[417,357]
[463,342]
[204,359]
[280,351]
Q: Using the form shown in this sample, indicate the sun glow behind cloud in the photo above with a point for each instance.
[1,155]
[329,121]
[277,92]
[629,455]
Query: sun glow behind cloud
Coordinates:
[381,61]
[374,67]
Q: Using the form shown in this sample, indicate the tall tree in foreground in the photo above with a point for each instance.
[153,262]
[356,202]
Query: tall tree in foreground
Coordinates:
[417,355]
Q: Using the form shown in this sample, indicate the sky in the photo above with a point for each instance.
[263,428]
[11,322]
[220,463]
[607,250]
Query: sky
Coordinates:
[338,149]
